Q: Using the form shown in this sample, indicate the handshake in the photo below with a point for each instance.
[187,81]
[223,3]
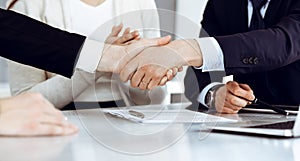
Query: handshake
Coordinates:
[147,63]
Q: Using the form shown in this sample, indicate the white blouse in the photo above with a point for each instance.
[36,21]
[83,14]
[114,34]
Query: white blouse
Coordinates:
[84,19]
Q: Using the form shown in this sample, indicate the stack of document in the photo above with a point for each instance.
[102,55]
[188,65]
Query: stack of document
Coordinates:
[166,116]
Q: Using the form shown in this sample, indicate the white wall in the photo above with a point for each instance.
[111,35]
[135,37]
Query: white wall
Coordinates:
[2,3]
[189,17]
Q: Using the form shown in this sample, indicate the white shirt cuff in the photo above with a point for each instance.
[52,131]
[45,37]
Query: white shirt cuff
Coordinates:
[90,56]
[201,97]
[213,59]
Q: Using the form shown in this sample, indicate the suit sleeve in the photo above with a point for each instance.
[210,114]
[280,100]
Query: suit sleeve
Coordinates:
[33,43]
[263,50]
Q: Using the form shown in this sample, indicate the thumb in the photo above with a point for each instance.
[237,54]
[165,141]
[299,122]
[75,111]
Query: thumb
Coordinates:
[138,46]
[164,40]
[160,41]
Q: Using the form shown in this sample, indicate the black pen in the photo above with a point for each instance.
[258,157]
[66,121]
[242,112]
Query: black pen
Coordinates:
[274,108]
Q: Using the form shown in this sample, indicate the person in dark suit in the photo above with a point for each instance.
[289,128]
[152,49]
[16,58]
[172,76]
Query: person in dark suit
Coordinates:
[255,40]
[258,56]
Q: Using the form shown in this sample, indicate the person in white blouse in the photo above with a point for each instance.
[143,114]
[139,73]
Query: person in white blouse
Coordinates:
[70,15]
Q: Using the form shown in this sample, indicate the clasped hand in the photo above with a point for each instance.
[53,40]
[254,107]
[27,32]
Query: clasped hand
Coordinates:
[147,63]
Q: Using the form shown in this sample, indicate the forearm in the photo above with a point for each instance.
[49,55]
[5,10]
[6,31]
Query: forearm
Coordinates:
[58,90]
[61,91]
[24,39]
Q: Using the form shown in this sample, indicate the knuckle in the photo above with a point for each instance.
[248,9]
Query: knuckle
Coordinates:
[134,84]
[144,68]
[156,77]
[235,91]
[232,101]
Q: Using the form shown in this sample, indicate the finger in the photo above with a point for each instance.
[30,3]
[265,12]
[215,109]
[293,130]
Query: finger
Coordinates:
[163,81]
[250,95]
[52,130]
[137,78]
[156,77]
[145,81]
[47,119]
[127,37]
[236,90]
[245,87]
[233,107]
[170,74]
[127,31]
[180,69]
[227,110]
[137,37]
[236,101]
[164,40]
[175,71]
[116,30]
[126,34]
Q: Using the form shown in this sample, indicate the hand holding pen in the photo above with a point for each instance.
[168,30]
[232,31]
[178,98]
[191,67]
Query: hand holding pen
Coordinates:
[233,96]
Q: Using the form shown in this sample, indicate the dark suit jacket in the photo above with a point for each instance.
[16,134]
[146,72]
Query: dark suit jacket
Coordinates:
[267,60]
[30,42]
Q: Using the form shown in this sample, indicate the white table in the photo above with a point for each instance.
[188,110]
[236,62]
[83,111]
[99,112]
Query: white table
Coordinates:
[104,138]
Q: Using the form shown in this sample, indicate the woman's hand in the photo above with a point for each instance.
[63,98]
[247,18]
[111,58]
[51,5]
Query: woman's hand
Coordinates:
[32,115]
[124,39]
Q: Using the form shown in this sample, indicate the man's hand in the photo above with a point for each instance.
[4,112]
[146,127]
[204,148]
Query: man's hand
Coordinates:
[232,97]
[148,69]
[32,115]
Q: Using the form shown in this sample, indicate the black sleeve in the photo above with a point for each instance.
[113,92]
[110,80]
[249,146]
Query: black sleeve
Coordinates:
[30,42]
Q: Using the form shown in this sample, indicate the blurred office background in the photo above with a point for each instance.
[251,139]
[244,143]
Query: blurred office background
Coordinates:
[188,11]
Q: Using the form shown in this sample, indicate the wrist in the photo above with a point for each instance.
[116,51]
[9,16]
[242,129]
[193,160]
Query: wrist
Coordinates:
[211,96]
[109,60]
[189,50]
